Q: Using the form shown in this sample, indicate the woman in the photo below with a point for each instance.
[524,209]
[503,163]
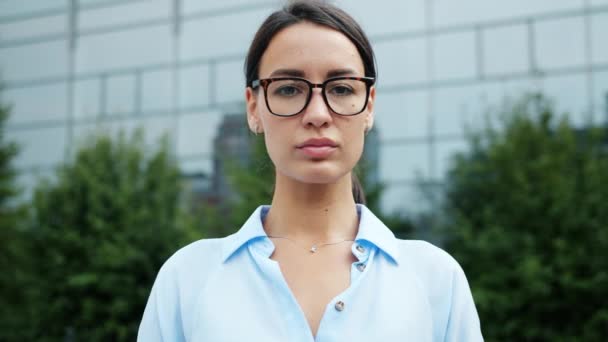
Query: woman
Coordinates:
[313,265]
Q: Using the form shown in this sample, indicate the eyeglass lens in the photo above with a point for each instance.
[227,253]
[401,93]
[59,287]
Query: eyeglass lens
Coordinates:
[288,97]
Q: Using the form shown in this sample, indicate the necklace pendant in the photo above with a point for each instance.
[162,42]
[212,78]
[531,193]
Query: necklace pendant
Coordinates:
[313,248]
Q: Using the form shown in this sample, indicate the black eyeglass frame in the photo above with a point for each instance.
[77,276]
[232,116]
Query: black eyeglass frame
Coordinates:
[265,82]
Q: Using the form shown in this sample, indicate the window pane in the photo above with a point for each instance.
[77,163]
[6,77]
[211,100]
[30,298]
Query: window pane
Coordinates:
[560,43]
[20,7]
[599,27]
[402,62]
[39,147]
[386,16]
[87,98]
[120,95]
[448,12]
[56,24]
[455,108]
[190,6]
[124,49]
[454,55]
[237,30]
[404,199]
[157,90]
[401,114]
[34,61]
[230,82]
[127,13]
[404,162]
[194,86]
[601,97]
[38,103]
[446,152]
[505,50]
[569,93]
[196,133]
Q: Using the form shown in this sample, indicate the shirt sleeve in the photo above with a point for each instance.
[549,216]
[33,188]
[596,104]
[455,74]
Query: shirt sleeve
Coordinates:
[463,320]
[161,320]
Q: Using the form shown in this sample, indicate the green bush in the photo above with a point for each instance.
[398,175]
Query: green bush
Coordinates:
[101,231]
[527,217]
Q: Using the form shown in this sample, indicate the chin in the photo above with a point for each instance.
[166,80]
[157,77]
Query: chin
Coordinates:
[317,174]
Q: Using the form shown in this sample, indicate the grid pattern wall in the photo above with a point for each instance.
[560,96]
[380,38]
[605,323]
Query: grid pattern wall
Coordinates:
[72,67]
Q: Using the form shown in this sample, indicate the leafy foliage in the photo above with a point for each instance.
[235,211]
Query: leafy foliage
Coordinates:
[528,222]
[101,231]
[13,254]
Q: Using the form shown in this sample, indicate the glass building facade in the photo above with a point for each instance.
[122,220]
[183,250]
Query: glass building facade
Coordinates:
[72,67]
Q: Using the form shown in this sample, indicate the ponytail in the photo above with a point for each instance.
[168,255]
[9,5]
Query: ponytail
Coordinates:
[358,193]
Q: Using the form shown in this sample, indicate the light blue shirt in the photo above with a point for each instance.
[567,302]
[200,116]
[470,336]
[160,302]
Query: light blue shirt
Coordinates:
[229,289]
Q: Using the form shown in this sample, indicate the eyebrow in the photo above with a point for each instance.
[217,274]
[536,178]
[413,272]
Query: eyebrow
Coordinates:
[300,73]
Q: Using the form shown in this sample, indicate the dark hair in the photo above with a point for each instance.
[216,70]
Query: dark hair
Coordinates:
[317,12]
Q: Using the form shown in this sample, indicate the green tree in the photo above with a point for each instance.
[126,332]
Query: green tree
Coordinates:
[13,254]
[102,230]
[528,221]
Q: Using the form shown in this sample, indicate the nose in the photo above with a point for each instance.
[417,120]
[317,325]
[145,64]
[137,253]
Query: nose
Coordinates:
[317,112]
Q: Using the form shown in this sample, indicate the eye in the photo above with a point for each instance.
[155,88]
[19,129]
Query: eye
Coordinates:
[287,91]
[341,90]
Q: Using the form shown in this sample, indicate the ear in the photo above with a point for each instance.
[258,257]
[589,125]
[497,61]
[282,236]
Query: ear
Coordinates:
[253,119]
[369,120]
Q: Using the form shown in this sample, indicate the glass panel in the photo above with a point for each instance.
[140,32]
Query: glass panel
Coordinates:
[192,166]
[19,7]
[196,133]
[454,55]
[237,31]
[401,62]
[37,103]
[404,162]
[386,16]
[157,90]
[456,108]
[599,29]
[560,43]
[124,49]
[505,50]
[446,152]
[120,95]
[25,62]
[404,199]
[569,93]
[190,6]
[447,12]
[47,25]
[194,86]
[154,128]
[39,147]
[230,82]
[125,14]
[401,114]
[87,98]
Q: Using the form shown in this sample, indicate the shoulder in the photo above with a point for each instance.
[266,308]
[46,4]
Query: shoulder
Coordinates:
[426,256]
[198,255]
[438,272]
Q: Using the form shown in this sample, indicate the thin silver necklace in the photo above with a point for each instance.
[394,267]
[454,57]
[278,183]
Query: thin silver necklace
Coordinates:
[314,247]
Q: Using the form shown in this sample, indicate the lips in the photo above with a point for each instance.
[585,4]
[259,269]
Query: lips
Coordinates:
[318,147]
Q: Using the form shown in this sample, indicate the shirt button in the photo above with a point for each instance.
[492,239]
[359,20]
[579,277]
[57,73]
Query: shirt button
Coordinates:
[361,267]
[339,306]
[360,248]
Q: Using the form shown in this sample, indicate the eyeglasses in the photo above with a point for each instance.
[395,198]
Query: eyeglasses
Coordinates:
[288,96]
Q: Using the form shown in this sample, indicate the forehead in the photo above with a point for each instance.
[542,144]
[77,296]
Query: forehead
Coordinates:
[313,49]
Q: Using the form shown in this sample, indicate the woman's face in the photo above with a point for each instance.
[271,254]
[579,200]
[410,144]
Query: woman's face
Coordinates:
[315,53]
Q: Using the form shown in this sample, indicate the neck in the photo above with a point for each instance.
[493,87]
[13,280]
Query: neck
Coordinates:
[313,213]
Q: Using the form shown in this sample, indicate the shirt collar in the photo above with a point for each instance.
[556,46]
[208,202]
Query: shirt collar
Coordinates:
[371,229]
